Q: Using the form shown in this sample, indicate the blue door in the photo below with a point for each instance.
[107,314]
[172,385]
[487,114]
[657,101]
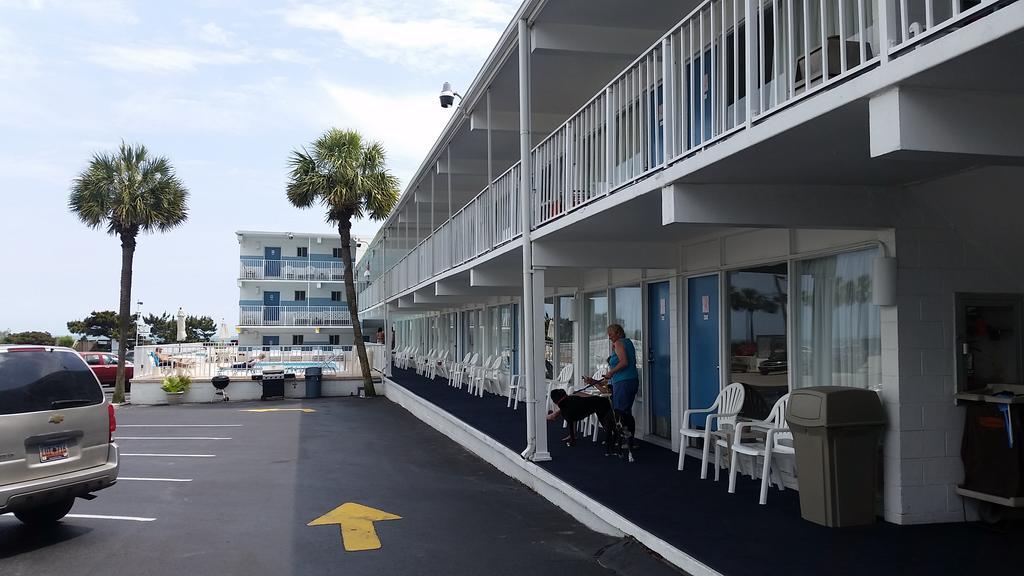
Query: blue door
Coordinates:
[700,93]
[271,307]
[272,262]
[271,340]
[703,345]
[659,358]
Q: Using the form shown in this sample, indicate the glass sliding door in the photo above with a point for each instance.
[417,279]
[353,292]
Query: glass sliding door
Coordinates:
[758,314]
[550,325]
[566,338]
[595,310]
[838,329]
[629,312]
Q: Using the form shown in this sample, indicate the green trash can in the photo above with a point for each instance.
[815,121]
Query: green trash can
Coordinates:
[314,380]
[836,431]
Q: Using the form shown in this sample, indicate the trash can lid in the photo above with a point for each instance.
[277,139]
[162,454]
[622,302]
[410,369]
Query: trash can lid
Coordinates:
[314,371]
[832,406]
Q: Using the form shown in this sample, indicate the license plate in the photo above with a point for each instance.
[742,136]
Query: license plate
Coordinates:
[51,452]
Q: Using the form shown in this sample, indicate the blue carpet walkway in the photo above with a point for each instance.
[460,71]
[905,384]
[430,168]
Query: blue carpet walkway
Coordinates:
[731,532]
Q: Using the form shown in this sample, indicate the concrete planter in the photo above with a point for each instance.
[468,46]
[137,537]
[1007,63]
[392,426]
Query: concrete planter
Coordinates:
[174,398]
[202,391]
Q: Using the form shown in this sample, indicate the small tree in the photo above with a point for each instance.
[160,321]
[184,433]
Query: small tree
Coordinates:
[39,338]
[104,323]
[66,341]
[349,177]
[128,192]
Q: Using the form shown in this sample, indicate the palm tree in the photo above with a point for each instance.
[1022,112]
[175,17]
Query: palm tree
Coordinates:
[128,192]
[751,300]
[348,176]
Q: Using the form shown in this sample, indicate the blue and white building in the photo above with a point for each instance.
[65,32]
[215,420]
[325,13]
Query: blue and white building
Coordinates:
[778,193]
[291,289]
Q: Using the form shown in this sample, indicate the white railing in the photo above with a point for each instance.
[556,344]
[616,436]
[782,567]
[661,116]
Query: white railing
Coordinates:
[699,84]
[312,270]
[913,21]
[251,315]
[203,360]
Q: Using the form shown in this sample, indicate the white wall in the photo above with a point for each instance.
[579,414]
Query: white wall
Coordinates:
[957,234]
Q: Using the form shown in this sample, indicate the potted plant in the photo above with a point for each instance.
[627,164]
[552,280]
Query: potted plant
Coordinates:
[175,387]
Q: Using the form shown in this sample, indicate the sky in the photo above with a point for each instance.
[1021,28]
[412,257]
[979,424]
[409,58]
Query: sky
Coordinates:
[225,89]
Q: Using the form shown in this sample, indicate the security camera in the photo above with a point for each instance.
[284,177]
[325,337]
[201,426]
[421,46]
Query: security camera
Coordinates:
[448,95]
[290,235]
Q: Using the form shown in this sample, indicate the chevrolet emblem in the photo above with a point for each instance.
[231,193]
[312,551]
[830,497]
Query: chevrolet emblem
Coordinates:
[56,419]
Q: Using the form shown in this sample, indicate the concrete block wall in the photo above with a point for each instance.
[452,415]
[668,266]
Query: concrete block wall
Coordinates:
[957,234]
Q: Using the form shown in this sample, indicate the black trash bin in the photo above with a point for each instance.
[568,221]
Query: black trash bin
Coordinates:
[314,380]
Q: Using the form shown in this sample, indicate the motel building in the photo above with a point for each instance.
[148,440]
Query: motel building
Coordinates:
[782,194]
[291,290]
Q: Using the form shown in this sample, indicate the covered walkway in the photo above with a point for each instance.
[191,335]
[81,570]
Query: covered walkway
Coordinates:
[730,533]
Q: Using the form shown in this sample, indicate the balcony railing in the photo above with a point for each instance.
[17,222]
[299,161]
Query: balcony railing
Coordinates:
[317,316]
[698,85]
[263,269]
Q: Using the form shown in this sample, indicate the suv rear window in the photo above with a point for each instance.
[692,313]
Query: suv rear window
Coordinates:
[36,381]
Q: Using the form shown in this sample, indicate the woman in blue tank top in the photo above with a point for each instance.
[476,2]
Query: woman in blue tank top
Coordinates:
[623,378]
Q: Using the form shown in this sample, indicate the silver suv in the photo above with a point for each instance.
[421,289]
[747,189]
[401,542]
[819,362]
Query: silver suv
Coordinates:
[56,433]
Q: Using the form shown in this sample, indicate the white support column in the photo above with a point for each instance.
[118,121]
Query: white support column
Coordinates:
[536,425]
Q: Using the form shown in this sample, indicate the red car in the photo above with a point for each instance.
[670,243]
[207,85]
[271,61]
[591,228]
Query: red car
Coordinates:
[104,366]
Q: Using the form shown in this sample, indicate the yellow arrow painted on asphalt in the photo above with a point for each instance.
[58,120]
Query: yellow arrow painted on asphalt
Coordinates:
[356,522]
[306,410]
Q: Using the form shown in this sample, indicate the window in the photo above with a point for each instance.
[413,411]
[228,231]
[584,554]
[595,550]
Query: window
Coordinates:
[300,295]
[302,252]
[297,339]
[93,360]
[336,296]
[334,339]
[758,311]
[595,310]
[40,381]
[837,327]
[336,252]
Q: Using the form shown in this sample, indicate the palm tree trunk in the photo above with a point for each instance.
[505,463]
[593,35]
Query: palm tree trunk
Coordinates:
[345,229]
[127,255]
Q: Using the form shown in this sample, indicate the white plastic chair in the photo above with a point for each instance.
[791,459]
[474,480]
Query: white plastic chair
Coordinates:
[776,429]
[725,409]
[477,374]
[564,382]
[457,371]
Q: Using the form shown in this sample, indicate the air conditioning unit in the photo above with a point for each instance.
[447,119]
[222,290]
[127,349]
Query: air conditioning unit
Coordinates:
[915,29]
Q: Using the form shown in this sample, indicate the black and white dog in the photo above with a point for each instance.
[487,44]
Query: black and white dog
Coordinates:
[575,408]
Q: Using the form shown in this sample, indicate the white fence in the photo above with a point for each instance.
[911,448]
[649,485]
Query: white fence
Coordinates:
[305,270]
[293,316]
[204,360]
[699,84]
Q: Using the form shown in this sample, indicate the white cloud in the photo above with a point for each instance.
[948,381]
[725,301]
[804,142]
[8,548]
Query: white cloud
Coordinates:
[111,12]
[214,34]
[139,58]
[430,37]
[407,124]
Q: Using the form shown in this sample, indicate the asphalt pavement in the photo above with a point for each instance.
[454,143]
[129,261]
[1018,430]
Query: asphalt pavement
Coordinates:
[218,489]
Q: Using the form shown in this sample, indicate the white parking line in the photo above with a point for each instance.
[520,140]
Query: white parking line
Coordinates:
[179,425]
[169,438]
[156,479]
[101,517]
[174,455]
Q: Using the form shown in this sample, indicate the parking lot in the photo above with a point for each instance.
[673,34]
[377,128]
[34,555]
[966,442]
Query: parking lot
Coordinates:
[220,489]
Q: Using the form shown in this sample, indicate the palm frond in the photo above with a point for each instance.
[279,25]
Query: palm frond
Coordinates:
[129,192]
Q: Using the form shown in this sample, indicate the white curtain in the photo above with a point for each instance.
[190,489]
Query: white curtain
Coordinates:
[838,329]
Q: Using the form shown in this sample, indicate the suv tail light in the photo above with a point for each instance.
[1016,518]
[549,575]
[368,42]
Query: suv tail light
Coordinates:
[113,421]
